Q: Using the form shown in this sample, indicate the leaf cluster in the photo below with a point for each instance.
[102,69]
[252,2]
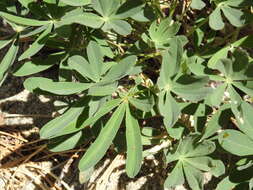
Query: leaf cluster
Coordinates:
[138,74]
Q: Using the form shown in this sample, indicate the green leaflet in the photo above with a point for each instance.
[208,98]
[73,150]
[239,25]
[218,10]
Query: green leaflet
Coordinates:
[243,42]
[60,88]
[8,60]
[86,19]
[216,96]
[245,119]
[23,21]
[38,64]
[218,168]
[176,177]
[76,2]
[239,3]
[69,142]
[95,58]
[102,89]
[134,145]
[171,64]
[55,127]
[188,147]
[192,158]
[105,7]
[215,20]
[197,4]
[176,91]
[203,163]
[191,88]
[81,65]
[226,184]
[234,16]
[162,33]
[120,70]
[200,149]
[120,26]
[142,104]
[217,121]
[75,124]
[25,3]
[104,109]
[243,88]
[92,69]
[171,59]
[169,109]
[130,8]
[38,44]
[236,142]
[4,43]
[194,177]
[109,10]
[98,149]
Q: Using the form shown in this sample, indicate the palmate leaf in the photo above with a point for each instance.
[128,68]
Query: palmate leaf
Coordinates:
[192,160]
[161,33]
[92,69]
[134,145]
[113,12]
[98,149]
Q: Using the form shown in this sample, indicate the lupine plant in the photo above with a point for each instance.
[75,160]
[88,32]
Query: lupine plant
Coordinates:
[185,65]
